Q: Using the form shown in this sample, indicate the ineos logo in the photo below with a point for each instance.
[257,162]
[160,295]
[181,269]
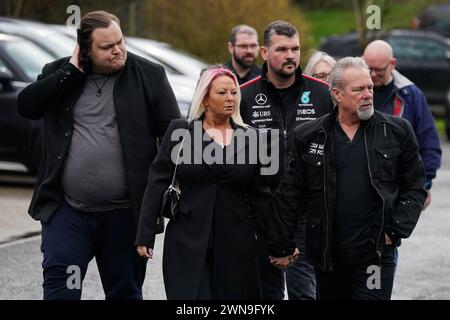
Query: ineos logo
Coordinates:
[261,99]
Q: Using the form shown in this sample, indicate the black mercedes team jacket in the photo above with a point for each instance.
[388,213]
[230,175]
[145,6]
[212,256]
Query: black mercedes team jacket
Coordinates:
[144,104]
[309,185]
[261,108]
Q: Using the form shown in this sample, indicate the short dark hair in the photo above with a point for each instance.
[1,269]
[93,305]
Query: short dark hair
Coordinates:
[279,27]
[89,22]
[242,28]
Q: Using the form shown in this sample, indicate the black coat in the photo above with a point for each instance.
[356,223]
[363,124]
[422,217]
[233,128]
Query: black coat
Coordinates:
[144,104]
[309,184]
[219,207]
[261,107]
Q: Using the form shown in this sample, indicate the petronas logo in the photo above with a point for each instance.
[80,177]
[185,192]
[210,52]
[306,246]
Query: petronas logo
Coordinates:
[305,97]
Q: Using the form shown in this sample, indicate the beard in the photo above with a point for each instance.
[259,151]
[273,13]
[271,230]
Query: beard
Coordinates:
[365,114]
[284,74]
[243,62]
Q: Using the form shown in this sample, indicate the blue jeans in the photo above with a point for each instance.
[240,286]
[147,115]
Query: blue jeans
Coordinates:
[359,274]
[300,277]
[71,239]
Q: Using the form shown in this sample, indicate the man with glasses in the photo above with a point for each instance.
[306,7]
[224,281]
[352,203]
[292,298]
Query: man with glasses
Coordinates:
[395,94]
[243,47]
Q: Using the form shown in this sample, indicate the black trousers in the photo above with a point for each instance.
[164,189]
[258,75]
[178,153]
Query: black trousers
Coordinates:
[359,274]
[72,239]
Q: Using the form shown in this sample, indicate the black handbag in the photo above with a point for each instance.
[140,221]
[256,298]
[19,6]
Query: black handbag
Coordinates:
[171,197]
[159,225]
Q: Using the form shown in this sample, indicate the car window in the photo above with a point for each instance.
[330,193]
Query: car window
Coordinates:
[54,42]
[436,18]
[180,62]
[2,65]
[167,68]
[29,57]
[442,27]
[2,68]
[59,44]
[417,48]
[342,48]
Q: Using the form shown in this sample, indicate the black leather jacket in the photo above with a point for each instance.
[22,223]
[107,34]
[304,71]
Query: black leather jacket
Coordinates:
[309,185]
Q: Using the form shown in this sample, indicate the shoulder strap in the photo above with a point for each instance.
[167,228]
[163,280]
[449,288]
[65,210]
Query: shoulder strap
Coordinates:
[178,157]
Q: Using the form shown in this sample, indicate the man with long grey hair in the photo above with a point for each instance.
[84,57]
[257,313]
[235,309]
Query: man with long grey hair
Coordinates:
[357,177]
[364,107]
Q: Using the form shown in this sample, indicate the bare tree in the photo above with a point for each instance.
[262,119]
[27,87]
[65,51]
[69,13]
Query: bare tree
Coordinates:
[360,11]
[203,27]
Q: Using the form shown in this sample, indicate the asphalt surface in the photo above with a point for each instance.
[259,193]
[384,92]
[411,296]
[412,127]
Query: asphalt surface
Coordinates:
[422,273]
[21,273]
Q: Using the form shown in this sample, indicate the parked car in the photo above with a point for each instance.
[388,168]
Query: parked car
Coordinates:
[434,18]
[182,70]
[176,61]
[60,40]
[25,47]
[20,63]
[179,61]
[423,57]
[39,33]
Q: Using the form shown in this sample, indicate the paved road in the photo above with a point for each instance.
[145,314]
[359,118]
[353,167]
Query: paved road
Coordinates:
[21,273]
[14,220]
[424,259]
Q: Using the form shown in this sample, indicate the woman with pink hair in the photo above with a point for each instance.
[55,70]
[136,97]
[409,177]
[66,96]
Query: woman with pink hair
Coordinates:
[225,206]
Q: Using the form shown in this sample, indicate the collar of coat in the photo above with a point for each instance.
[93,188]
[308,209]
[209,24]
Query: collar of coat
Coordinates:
[329,120]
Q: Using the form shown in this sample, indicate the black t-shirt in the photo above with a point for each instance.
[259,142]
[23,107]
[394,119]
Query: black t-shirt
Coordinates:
[286,97]
[357,202]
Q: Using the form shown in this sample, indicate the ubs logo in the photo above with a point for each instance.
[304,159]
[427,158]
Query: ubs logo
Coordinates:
[257,114]
[261,99]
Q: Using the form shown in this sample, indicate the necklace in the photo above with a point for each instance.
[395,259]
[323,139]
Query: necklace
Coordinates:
[99,88]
